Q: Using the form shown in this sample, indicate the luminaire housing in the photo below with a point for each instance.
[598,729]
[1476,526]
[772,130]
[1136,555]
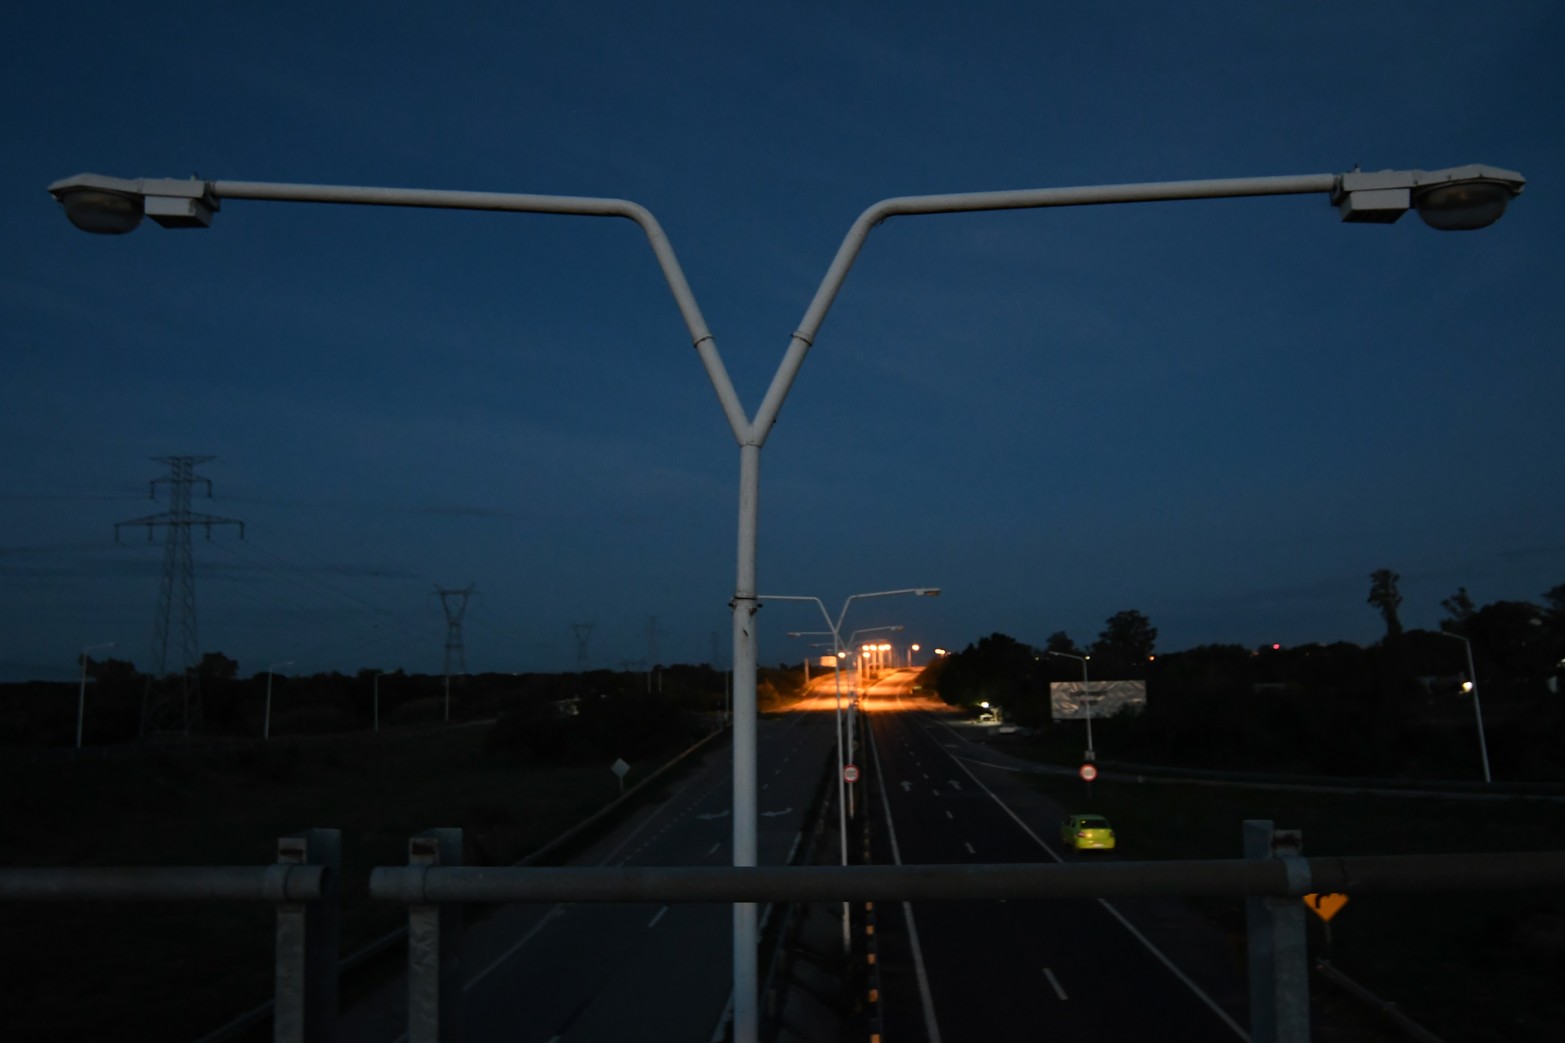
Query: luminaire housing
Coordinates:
[115,205]
[1455,199]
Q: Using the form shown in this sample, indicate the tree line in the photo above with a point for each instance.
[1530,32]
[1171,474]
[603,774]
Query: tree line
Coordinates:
[1395,708]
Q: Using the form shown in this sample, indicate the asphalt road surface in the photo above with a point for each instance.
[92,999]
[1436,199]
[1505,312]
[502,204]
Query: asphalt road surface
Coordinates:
[594,973]
[1076,969]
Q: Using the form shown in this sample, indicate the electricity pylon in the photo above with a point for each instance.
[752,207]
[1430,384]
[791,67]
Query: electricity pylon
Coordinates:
[583,632]
[454,604]
[167,706]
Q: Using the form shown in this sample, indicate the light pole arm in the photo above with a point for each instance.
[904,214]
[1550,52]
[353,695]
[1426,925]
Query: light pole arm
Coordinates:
[1021,199]
[510,202]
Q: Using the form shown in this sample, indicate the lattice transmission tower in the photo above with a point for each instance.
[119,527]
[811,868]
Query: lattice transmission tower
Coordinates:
[454,604]
[172,702]
[583,632]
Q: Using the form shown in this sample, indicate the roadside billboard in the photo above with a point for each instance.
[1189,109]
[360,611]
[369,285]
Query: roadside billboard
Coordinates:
[1069,702]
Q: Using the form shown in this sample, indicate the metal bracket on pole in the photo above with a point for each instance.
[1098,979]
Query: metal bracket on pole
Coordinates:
[1279,957]
[435,946]
[307,943]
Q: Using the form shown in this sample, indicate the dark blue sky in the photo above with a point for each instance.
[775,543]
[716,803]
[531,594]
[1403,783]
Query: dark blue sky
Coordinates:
[1224,414]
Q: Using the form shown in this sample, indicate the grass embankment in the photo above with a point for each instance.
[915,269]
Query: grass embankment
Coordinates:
[1469,966]
[79,971]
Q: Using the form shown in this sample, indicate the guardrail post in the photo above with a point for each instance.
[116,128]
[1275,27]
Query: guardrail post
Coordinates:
[308,933]
[1278,952]
[435,947]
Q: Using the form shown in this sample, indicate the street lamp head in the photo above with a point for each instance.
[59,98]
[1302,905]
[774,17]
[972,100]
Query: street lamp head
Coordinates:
[1455,199]
[115,205]
[927,592]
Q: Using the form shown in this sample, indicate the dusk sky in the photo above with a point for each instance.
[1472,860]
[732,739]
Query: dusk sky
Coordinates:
[1224,414]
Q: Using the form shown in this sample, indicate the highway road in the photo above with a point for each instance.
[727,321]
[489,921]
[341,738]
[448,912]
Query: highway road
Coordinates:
[594,973]
[987,968]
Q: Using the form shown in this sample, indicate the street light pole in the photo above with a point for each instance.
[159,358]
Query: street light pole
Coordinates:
[1092,754]
[844,795]
[266,725]
[378,675]
[1457,198]
[81,696]
[1472,681]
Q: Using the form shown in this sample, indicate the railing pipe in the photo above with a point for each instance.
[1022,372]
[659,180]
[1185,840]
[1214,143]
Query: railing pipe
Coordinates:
[272,883]
[1355,874]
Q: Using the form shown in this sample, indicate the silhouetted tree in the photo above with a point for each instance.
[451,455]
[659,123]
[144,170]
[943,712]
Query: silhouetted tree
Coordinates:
[1461,609]
[1384,596]
[1060,641]
[1126,644]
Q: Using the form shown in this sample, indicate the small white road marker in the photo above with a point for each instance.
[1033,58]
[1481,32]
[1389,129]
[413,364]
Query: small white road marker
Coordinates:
[1056,983]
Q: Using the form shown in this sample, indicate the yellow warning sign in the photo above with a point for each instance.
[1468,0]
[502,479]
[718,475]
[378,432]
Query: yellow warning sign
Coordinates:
[1325,906]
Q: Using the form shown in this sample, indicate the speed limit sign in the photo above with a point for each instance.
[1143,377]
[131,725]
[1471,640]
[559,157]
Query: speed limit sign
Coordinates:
[850,773]
[1088,773]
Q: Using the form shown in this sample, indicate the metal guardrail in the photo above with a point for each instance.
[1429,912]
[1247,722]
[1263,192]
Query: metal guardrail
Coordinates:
[416,885]
[304,887]
[303,884]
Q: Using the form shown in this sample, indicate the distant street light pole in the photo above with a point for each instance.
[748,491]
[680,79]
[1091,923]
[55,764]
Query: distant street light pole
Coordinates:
[910,650]
[835,630]
[1457,198]
[1092,754]
[266,726]
[81,696]
[378,675]
[1472,686]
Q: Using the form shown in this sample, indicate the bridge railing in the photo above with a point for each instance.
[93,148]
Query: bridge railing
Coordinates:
[303,886]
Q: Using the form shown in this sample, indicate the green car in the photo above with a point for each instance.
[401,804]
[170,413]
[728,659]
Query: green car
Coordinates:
[1088,832]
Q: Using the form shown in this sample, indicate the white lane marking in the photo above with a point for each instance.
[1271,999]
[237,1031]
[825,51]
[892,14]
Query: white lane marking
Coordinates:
[557,911]
[1056,983]
[714,848]
[950,816]
[927,1000]
[654,921]
[970,850]
[1154,950]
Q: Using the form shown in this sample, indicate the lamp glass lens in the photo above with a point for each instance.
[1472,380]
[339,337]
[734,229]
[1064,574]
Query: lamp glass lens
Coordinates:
[104,213]
[1463,206]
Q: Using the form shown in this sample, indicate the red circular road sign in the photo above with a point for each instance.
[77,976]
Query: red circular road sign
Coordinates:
[1087,772]
[850,773]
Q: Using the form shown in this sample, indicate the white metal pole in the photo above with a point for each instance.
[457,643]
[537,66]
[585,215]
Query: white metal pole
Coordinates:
[81,701]
[1472,677]
[1086,694]
[266,726]
[842,806]
[746,934]
[81,696]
